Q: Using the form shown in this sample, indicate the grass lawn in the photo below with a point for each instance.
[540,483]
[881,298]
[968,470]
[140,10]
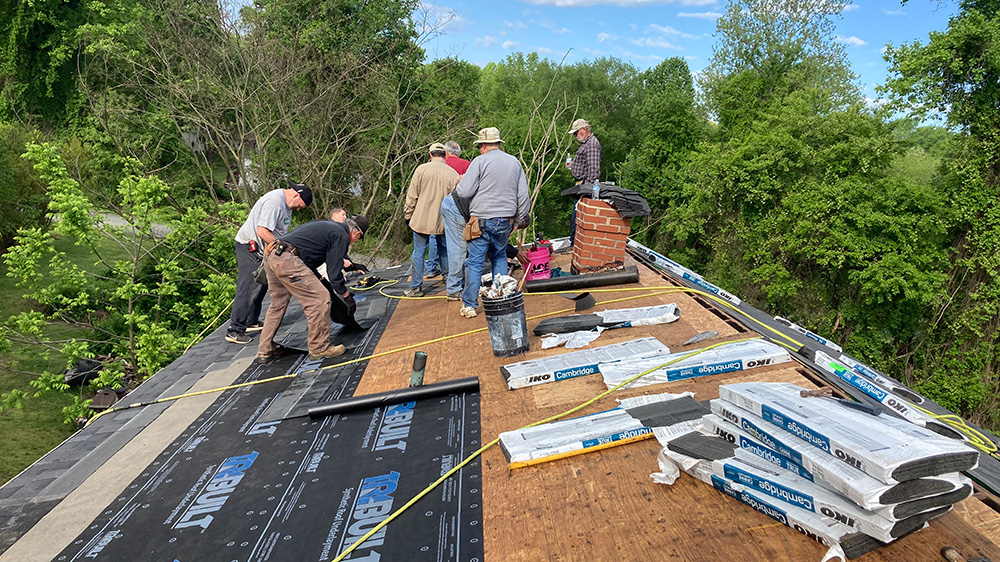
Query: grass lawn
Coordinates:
[26,435]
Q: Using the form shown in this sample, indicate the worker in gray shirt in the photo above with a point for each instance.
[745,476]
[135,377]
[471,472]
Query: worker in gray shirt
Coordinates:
[269,218]
[498,190]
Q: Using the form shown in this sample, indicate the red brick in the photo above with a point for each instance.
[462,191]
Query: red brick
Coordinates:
[607,228]
[617,237]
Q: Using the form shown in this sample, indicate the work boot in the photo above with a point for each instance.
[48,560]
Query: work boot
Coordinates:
[236,337]
[413,292]
[332,351]
[279,351]
[468,312]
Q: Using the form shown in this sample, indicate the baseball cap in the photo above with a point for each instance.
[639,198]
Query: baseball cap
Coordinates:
[362,223]
[437,147]
[579,124]
[303,191]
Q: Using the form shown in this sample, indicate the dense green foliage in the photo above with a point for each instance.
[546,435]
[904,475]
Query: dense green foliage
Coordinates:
[771,175]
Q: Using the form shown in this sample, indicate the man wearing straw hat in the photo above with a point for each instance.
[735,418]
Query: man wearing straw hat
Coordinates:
[498,189]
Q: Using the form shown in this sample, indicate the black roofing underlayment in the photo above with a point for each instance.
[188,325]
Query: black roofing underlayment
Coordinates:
[253,479]
[234,488]
[987,474]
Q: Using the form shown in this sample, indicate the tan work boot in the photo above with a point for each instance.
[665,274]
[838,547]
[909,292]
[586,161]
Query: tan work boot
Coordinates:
[332,351]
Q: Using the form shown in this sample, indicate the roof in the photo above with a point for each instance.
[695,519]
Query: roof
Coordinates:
[247,474]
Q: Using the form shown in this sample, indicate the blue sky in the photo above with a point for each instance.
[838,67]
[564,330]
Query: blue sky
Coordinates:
[645,32]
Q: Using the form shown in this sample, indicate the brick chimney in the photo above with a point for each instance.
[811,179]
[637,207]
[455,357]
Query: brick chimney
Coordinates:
[600,237]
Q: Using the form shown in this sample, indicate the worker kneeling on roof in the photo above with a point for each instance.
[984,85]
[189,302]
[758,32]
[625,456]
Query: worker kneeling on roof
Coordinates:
[290,263]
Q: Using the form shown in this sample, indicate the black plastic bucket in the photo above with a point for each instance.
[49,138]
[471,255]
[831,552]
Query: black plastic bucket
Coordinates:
[507,325]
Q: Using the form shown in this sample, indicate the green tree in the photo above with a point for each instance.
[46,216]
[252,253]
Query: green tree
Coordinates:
[956,74]
[139,311]
[669,127]
[22,195]
[766,50]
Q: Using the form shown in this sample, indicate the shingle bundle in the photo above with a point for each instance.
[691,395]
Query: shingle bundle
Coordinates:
[840,476]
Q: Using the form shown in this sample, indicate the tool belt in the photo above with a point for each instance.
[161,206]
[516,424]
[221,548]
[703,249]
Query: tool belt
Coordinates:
[278,247]
[473,229]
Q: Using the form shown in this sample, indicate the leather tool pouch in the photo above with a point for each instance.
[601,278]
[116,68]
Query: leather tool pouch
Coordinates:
[471,230]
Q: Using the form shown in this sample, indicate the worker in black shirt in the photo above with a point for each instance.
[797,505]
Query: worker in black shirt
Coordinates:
[290,263]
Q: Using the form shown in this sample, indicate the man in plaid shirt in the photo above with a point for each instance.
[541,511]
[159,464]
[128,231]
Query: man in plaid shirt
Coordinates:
[586,165]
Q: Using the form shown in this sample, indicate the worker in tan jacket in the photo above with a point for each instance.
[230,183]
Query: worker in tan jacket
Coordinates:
[431,183]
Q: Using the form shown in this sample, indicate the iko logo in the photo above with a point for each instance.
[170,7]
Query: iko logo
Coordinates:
[842,517]
[535,379]
[811,534]
[759,362]
[730,416]
[725,434]
[216,492]
[849,459]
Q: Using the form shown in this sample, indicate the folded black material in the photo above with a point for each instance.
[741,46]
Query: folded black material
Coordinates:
[568,324]
[628,202]
[670,412]
[622,277]
[409,394]
[699,446]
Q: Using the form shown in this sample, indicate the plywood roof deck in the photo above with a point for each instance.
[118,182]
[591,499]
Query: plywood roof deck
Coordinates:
[604,505]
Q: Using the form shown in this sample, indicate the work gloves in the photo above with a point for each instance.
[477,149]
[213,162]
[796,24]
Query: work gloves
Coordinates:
[352,306]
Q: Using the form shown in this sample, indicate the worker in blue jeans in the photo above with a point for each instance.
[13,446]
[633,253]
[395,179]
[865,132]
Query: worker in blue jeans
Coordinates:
[496,185]
[454,222]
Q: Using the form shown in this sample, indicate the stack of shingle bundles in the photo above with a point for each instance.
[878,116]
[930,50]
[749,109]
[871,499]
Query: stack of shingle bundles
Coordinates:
[714,462]
[883,447]
[876,475]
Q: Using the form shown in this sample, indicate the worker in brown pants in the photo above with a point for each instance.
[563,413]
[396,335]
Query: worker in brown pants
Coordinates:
[291,263]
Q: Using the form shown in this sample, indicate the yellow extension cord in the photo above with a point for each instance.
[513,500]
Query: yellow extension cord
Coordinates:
[975,438]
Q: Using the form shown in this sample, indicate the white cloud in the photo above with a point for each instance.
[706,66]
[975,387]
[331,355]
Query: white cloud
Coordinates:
[634,27]
[595,52]
[894,12]
[657,43]
[700,15]
[550,26]
[634,56]
[516,25]
[667,30]
[875,103]
[601,37]
[620,3]
[690,57]
[851,7]
[852,41]
[439,18]
[543,50]
[487,41]
[509,44]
